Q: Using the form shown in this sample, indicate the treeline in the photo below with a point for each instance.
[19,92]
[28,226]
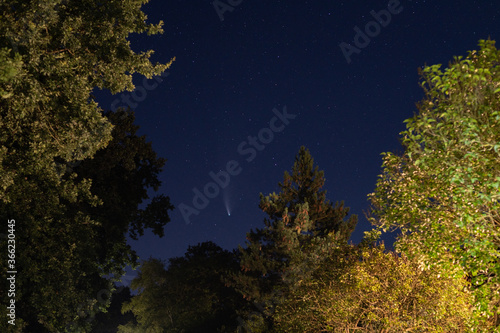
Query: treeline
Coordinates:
[299,273]
[73,176]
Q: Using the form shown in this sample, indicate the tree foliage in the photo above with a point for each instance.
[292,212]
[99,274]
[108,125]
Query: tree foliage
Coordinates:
[61,51]
[53,54]
[381,292]
[443,191]
[121,175]
[187,296]
[106,322]
[75,244]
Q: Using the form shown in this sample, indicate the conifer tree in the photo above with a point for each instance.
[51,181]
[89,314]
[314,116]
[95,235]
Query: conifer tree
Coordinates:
[302,225]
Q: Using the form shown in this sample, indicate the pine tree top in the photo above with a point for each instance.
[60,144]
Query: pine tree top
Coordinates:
[302,227]
[304,186]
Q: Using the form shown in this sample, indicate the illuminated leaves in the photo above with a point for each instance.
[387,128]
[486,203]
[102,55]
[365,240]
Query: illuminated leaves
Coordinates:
[382,292]
[442,193]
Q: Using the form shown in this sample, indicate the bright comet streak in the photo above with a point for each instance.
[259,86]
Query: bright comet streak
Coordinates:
[228,209]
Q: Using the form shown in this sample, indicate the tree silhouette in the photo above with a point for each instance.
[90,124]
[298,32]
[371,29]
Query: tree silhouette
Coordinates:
[189,295]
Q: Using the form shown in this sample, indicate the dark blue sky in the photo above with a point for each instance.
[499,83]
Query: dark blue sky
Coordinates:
[229,76]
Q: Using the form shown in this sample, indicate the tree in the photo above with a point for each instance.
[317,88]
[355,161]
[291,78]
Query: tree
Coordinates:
[54,53]
[107,322]
[443,191]
[302,227]
[9,67]
[59,52]
[382,292]
[121,175]
[74,245]
[187,296]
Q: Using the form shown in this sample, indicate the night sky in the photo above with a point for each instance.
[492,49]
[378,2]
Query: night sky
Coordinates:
[214,109]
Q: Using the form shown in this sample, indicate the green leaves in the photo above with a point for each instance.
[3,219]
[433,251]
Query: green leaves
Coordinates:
[9,68]
[52,55]
[451,155]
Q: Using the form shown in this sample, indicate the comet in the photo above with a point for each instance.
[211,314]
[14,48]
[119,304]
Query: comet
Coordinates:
[228,209]
[226,203]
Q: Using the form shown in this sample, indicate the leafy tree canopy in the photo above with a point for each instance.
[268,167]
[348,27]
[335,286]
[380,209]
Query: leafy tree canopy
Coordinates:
[188,296]
[381,292]
[443,192]
[59,51]
[53,54]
